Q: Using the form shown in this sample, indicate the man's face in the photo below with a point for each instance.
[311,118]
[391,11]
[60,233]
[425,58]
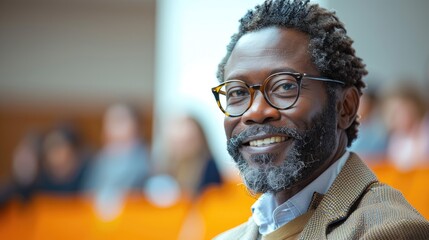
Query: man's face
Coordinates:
[297,141]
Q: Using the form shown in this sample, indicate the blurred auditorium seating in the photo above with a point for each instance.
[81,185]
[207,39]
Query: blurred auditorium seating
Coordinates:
[218,209]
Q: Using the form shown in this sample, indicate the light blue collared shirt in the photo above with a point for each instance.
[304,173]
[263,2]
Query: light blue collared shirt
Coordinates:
[269,216]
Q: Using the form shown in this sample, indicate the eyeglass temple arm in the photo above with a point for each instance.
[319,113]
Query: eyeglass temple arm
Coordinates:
[323,79]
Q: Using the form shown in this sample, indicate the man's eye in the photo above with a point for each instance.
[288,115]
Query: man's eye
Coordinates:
[287,86]
[284,87]
[238,93]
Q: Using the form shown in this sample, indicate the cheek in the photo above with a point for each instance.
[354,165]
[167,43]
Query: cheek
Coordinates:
[313,102]
[304,112]
[230,126]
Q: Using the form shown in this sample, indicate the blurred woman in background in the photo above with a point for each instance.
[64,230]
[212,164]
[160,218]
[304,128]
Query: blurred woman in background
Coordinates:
[26,166]
[190,160]
[404,113]
[121,165]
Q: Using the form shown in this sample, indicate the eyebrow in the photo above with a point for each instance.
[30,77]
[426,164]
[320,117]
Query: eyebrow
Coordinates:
[244,77]
[283,69]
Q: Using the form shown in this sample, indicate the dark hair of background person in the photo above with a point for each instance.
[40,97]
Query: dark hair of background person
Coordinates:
[191,161]
[63,149]
[211,174]
[329,46]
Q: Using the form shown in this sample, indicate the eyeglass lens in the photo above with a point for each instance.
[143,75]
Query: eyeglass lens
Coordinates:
[280,91]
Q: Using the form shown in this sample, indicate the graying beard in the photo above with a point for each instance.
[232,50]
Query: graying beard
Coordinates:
[266,177]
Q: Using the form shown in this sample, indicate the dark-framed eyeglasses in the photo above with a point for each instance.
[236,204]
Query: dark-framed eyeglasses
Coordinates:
[281,90]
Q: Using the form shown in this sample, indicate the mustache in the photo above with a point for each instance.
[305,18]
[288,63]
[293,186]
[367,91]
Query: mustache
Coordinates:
[236,141]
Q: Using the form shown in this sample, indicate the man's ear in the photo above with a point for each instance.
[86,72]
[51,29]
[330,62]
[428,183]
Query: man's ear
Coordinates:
[348,107]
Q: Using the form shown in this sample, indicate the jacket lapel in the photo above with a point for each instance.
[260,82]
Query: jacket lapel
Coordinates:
[252,231]
[351,183]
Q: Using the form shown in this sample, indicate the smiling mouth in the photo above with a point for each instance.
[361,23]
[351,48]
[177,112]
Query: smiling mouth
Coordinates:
[266,141]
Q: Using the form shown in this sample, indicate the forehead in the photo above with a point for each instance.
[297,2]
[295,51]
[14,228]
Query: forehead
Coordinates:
[269,50]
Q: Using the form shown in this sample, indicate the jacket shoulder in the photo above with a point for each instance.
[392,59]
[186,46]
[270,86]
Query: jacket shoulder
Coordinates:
[383,213]
[390,201]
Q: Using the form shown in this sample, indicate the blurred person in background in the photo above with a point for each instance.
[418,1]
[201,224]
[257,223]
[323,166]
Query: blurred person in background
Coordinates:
[372,138]
[191,164]
[26,165]
[190,160]
[64,161]
[122,164]
[404,112]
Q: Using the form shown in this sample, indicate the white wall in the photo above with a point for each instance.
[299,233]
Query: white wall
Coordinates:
[392,37]
[80,52]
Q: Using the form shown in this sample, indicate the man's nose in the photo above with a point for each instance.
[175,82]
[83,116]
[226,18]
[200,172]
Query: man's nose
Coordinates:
[260,111]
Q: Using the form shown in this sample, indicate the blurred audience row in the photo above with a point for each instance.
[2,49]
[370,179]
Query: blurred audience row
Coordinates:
[59,162]
[394,127]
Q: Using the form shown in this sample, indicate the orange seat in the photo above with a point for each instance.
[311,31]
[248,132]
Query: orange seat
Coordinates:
[225,207]
[57,217]
[412,184]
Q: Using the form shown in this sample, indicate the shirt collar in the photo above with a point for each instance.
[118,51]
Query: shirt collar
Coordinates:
[269,216]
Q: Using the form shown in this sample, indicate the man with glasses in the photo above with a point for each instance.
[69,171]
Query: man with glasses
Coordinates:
[290,88]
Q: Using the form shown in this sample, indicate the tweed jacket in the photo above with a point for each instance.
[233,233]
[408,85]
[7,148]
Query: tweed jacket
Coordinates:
[356,206]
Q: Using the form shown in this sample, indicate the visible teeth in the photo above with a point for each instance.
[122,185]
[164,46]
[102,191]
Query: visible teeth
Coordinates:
[266,141]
